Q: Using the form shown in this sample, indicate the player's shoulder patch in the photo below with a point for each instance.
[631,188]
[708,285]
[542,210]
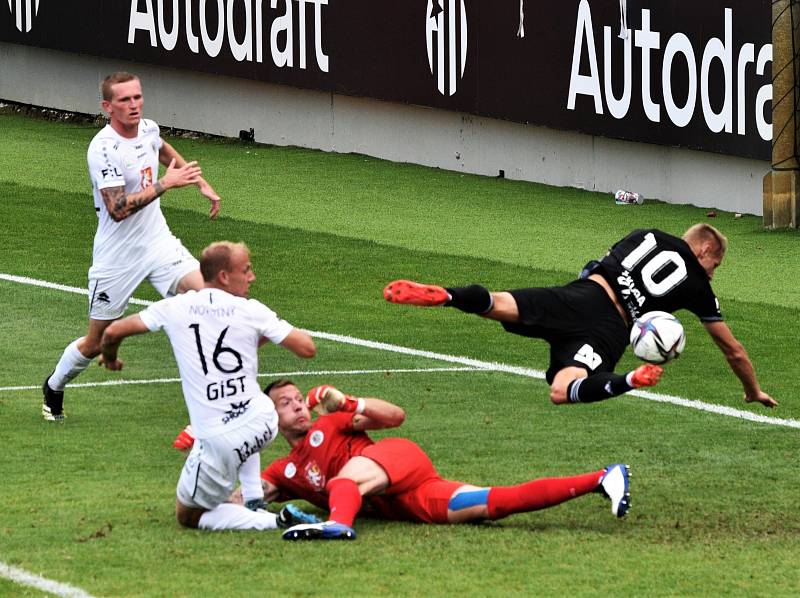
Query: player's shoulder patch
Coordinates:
[317,438]
[148,127]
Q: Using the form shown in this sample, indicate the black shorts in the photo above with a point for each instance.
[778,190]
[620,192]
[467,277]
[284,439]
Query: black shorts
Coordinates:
[579,321]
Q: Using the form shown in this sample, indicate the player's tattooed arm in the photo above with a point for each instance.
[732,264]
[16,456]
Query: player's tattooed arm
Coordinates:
[120,205]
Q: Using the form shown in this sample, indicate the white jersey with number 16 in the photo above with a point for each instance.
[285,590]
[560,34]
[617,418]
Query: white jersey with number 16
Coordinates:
[214,337]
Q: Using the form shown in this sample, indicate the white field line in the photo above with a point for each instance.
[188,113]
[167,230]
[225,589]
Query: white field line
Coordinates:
[264,375]
[24,578]
[472,363]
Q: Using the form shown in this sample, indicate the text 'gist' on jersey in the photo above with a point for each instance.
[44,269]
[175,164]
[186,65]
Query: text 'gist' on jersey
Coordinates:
[651,270]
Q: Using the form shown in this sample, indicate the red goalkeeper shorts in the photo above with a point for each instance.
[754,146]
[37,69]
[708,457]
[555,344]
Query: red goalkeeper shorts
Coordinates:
[415,492]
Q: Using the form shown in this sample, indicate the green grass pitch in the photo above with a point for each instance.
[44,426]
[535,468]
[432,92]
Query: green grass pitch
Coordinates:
[716,499]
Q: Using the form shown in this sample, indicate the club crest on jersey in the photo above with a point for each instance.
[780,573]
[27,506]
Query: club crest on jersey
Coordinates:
[314,476]
[317,438]
[290,470]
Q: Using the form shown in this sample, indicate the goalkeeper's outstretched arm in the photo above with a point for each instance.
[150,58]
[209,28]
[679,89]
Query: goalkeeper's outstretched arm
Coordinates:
[370,413]
[378,414]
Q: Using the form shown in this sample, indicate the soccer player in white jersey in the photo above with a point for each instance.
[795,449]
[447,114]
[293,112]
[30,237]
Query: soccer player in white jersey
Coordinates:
[133,241]
[215,334]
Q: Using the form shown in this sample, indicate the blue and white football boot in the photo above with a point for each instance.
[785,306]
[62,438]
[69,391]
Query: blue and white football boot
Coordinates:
[328,530]
[291,516]
[615,484]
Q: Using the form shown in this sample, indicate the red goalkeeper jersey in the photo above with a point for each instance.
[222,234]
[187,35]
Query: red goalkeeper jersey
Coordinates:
[305,471]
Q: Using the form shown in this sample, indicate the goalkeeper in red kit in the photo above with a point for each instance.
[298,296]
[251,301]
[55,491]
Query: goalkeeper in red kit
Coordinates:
[334,464]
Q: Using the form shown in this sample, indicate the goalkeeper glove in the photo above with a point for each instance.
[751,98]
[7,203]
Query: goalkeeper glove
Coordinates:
[327,399]
[184,440]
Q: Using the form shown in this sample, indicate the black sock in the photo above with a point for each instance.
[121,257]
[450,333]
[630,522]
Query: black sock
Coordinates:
[473,299]
[597,387]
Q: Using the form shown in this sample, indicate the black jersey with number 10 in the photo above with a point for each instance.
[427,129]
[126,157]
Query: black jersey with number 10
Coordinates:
[650,270]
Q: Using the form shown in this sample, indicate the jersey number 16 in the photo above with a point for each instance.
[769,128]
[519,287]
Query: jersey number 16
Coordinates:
[219,349]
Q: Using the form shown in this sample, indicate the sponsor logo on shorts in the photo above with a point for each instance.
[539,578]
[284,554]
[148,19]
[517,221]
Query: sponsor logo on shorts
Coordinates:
[103,296]
[290,470]
[251,447]
[317,438]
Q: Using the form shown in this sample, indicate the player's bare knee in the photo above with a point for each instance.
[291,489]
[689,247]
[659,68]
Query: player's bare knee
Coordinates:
[188,517]
[89,347]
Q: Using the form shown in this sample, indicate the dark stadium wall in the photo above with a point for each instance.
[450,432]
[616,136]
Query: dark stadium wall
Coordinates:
[565,104]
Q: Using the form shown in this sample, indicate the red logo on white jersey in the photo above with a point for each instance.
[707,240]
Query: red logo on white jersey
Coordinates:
[147,177]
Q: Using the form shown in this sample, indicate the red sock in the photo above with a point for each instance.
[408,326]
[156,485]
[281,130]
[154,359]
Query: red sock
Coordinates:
[539,494]
[344,500]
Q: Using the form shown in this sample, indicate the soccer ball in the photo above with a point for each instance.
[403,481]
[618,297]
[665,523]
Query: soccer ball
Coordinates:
[657,337]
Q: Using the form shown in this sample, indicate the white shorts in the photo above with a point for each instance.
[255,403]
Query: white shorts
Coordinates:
[212,468]
[109,293]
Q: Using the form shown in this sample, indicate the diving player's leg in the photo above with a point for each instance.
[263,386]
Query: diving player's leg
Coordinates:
[473,299]
[576,385]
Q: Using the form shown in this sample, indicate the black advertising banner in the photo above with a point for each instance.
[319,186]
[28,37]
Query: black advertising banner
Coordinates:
[672,72]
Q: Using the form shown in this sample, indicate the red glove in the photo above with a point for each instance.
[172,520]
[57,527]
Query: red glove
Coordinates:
[184,440]
[327,399]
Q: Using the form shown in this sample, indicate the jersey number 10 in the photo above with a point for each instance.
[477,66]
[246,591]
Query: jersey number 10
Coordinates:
[654,265]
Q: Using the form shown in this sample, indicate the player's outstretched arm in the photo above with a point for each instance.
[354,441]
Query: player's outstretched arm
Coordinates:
[379,414]
[370,414]
[299,343]
[169,153]
[739,362]
[114,335]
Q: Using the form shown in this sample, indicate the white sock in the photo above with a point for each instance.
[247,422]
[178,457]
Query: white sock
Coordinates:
[71,364]
[231,516]
[250,478]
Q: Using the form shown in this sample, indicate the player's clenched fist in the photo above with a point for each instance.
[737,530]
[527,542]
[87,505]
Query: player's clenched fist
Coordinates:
[327,399]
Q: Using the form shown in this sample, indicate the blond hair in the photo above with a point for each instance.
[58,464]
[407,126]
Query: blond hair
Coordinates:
[702,232]
[217,257]
[119,77]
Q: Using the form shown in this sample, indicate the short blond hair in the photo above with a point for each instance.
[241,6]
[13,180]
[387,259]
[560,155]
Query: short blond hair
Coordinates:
[701,232]
[217,257]
[119,77]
